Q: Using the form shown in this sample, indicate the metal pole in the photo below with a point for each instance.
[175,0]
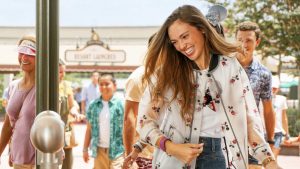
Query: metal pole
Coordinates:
[47,67]
[42,73]
[50,161]
[298,74]
[53,63]
[53,54]
[42,60]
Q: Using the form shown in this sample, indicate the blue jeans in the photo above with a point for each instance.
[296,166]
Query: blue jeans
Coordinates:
[212,156]
[277,139]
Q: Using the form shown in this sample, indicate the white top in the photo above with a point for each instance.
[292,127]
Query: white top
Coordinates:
[279,104]
[211,122]
[104,126]
[134,86]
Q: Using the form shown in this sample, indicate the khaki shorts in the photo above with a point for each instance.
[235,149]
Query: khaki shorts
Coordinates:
[102,160]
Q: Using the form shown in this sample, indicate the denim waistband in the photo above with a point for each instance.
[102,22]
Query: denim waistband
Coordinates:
[211,144]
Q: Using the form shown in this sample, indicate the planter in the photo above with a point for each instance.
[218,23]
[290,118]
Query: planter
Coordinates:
[290,149]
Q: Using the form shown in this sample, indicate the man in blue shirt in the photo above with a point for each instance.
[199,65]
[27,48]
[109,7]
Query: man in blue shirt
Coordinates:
[90,92]
[248,34]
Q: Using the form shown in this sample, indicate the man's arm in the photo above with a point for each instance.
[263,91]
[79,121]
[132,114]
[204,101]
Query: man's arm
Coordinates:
[83,100]
[269,116]
[83,107]
[130,115]
[70,100]
[285,123]
[86,143]
[6,134]
[74,110]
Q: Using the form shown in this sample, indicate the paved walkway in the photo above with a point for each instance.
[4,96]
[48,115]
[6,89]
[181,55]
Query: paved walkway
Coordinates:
[286,162]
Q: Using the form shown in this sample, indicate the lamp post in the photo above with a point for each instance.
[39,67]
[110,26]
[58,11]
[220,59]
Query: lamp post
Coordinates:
[47,136]
[47,28]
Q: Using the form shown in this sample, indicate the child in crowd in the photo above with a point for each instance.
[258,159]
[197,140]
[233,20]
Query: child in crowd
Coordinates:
[104,127]
[280,108]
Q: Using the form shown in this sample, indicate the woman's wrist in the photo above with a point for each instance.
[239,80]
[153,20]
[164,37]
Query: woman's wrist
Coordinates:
[272,165]
[169,148]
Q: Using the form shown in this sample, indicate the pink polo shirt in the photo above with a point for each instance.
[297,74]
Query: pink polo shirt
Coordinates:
[21,112]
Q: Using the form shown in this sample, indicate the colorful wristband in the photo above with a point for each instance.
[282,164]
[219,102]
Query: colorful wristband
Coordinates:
[162,143]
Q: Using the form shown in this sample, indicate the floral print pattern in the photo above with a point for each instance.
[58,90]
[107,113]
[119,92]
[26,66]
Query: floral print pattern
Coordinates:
[260,80]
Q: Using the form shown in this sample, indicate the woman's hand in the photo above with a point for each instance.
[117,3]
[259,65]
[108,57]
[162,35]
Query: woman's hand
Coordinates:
[63,156]
[128,161]
[79,117]
[184,152]
[272,165]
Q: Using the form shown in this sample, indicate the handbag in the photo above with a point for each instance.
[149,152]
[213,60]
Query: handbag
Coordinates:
[144,162]
[70,139]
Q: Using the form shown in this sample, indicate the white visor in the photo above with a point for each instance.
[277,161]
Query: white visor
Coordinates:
[27,47]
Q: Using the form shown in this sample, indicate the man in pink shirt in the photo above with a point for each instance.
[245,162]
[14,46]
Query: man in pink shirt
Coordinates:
[21,109]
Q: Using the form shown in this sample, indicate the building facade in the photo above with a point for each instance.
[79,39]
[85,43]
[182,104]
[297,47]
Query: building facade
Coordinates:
[85,49]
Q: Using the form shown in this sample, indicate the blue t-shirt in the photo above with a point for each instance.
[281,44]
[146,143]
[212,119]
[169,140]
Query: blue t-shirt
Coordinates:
[89,93]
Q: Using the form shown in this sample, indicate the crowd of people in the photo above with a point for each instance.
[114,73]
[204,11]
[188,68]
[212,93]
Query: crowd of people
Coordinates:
[193,104]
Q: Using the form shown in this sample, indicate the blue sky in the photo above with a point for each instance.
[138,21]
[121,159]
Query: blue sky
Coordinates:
[91,13]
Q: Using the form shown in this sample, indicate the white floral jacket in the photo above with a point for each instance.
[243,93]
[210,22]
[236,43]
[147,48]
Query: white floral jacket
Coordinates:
[231,96]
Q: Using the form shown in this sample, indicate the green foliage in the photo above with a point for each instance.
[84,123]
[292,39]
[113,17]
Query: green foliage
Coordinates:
[74,77]
[77,78]
[294,121]
[2,110]
[121,75]
[1,84]
[224,3]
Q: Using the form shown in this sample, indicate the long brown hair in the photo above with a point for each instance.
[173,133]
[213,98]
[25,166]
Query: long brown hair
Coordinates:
[171,68]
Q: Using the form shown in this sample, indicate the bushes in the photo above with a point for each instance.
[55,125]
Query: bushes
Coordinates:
[2,111]
[294,121]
